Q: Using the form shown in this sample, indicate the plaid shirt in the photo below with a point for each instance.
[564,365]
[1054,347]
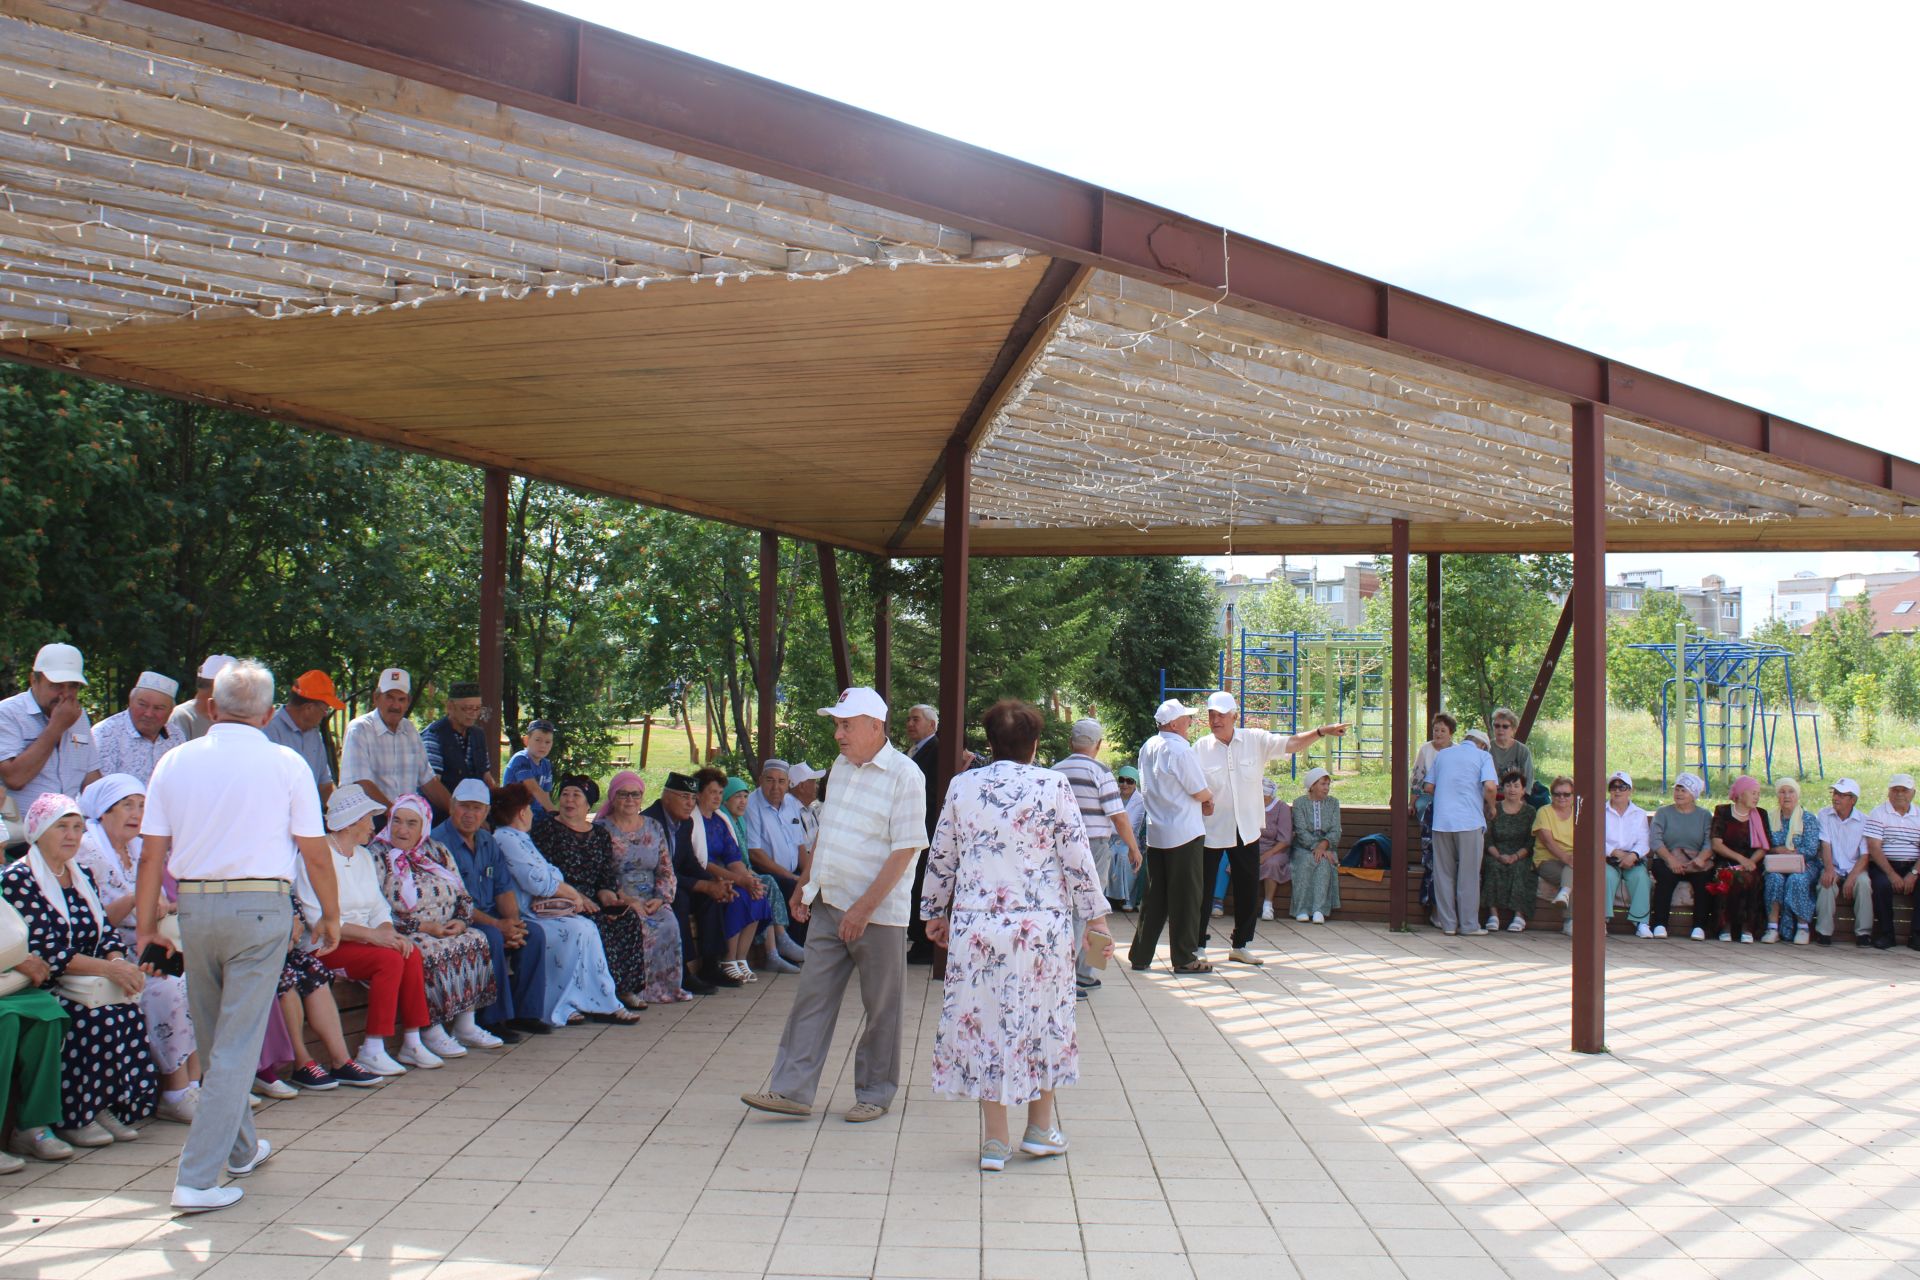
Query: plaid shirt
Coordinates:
[871,810]
[394,760]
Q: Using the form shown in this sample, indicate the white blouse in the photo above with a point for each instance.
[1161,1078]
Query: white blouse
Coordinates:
[361,902]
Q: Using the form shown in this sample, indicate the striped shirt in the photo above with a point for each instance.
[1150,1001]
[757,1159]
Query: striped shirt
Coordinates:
[1095,791]
[1898,833]
[871,810]
[394,760]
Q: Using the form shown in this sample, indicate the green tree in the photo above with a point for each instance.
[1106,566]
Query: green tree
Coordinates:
[1901,658]
[1838,647]
[1635,678]
[1162,616]
[1863,691]
[1280,608]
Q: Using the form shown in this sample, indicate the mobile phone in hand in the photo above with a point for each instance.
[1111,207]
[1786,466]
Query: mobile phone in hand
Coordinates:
[164,961]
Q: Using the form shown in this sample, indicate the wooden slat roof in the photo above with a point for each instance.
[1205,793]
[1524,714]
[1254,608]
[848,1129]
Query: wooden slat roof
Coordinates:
[221,204]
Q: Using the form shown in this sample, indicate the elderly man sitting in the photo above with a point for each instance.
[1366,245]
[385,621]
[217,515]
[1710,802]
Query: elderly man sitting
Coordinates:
[778,840]
[46,743]
[517,945]
[132,741]
[1893,849]
[195,716]
[382,750]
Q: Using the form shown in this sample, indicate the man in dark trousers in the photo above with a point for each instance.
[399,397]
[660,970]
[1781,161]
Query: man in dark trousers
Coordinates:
[699,898]
[923,726]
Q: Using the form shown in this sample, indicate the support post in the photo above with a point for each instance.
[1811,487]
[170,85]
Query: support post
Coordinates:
[1433,635]
[646,739]
[769,672]
[1589,726]
[1398,826]
[956,545]
[836,613]
[1549,663]
[882,632]
[493,610]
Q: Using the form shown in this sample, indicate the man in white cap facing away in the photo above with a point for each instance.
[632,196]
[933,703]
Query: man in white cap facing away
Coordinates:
[46,741]
[1104,814]
[132,741]
[192,717]
[1893,845]
[1843,865]
[383,751]
[854,899]
[1234,759]
[1178,802]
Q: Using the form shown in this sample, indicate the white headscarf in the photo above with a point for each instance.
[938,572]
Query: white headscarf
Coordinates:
[101,795]
[1692,782]
[46,811]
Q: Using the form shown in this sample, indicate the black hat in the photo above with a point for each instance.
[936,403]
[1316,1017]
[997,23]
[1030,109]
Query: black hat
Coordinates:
[588,787]
[463,689]
[681,782]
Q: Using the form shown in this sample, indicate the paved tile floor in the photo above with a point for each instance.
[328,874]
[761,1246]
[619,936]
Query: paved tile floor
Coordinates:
[1366,1105]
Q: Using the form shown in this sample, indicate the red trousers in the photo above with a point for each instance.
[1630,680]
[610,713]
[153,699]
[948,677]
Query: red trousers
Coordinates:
[395,985]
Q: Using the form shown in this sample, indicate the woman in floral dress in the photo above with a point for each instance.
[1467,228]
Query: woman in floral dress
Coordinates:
[643,860]
[580,850]
[1010,861]
[431,910]
[1789,895]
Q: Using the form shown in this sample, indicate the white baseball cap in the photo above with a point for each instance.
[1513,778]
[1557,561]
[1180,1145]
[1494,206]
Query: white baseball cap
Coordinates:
[166,686]
[1620,775]
[857,701]
[395,678]
[1170,710]
[1479,736]
[214,665]
[1900,780]
[472,791]
[60,663]
[801,772]
[1847,786]
[1222,702]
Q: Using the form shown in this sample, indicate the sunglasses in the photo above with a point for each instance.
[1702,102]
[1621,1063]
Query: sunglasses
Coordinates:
[627,793]
[1563,795]
[1618,786]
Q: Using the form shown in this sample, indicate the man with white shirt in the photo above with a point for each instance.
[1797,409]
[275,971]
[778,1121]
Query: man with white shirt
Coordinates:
[1461,781]
[132,741]
[231,816]
[1893,846]
[1178,803]
[1843,847]
[1628,837]
[872,823]
[1234,760]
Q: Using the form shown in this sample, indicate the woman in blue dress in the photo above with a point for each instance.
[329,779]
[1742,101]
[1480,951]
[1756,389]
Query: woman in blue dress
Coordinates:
[1789,894]
[707,843]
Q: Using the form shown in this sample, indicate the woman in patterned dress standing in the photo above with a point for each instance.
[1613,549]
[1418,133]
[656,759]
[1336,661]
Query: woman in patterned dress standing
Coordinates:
[1010,861]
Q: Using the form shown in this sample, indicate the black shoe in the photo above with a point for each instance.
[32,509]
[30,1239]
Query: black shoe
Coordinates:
[1883,944]
[531,1026]
[695,986]
[920,953]
[1140,968]
[719,979]
[1822,939]
[1087,984]
[503,1033]
[1862,940]
[1913,944]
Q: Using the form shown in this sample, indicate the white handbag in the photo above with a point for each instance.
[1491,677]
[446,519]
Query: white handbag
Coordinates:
[13,949]
[92,991]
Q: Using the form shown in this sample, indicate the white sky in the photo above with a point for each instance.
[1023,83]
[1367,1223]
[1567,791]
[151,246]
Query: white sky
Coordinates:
[1722,195]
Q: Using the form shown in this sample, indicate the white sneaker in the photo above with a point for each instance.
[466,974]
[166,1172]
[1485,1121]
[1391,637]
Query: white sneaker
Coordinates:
[1747,937]
[478,1037]
[262,1152]
[1561,898]
[1266,910]
[1044,1142]
[1241,955]
[777,963]
[416,1055]
[1803,937]
[1659,931]
[377,1061]
[1700,935]
[1493,923]
[274,1087]
[1642,931]
[181,1112]
[439,1043]
[1772,935]
[1727,937]
[1303,918]
[1519,925]
[1219,910]
[1319,917]
[195,1200]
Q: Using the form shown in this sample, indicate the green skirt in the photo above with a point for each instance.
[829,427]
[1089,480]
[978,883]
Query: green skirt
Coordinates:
[32,1027]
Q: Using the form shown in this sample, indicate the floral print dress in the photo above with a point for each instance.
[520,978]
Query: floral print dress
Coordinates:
[644,862]
[1010,859]
[105,1061]
[163,1001]
[1793,893]
[458,970]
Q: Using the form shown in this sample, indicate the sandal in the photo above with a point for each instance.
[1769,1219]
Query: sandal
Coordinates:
[577,1020]
[624,1018]
[1198,966]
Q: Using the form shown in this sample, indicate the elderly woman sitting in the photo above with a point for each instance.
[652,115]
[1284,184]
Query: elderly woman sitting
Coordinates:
[1275,847]
[1316,850]
[782,954]
[1741,834]
[110,852]
[708,850]
[431,910]
[581,850]
[33,1026]
[1628,834]
[1789,894]
[1681,836]
[106,1066]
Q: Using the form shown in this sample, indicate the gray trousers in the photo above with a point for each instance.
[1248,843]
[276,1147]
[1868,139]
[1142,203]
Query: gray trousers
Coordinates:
[1456,877]
[235,946]
[1105,849]
[880,958]
[1826,902]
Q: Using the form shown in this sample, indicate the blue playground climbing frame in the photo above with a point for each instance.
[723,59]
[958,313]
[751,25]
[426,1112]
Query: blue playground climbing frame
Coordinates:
[1714,713]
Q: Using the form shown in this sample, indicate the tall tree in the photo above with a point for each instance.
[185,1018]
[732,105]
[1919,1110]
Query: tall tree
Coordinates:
[1161,616]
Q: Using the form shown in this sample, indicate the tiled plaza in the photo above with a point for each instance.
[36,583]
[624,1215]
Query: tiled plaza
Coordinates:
[1366,1105]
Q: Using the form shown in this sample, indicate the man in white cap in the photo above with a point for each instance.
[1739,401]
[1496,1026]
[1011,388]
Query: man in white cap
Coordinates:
[1234,759]
[132,741]
[872,824]
[516,945]
[194,717]
[1104,814]
[1178,803]
[383,752]
[1843,865]
[46,741]
[803,784]
[1893,847]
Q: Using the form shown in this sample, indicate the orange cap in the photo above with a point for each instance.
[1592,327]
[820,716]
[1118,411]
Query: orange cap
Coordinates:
[318,686]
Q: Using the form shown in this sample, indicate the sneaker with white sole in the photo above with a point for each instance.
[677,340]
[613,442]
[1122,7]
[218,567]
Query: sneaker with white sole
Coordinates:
[274,1087]
[474,1037]
[182,1111]
[1493,923]
[1219,910]
[199,1200]
[1700,935]
[1771,936]
[1659,931]
[262,1152]
[377,1061]
[1726,937]
[1518,925]
[1561,898]
[1642,930]
[1747,937]
[1240,955]
[440,1044]
[1303,917]
[993,1155]
[1266,910]
[1044,1142]
[1319,917]
[1803,936]
[417,1055]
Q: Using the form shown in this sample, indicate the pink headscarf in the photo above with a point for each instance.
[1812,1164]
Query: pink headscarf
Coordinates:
[407,862]
[1746,790]
[624,778]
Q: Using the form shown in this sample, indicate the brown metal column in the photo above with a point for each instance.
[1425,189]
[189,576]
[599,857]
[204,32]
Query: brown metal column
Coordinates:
[955,547]
[882,632]
[1549,661]
[1433,636]
[493,611]
[1589,725]
[1398,827]
[836,613]
[768,673]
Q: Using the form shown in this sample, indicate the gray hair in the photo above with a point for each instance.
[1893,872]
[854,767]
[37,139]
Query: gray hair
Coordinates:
[1507,712]
[933,716]
[243,690]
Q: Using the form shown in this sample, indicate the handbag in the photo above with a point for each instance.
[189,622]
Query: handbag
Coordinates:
[1791,864]
[13,949]
[554,908]
[91,991]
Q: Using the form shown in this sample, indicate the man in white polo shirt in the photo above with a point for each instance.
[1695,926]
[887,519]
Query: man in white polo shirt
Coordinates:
[1178,802]
[231,815]
[1893,845]
[1843,847]
[872,824]
[1234,760]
